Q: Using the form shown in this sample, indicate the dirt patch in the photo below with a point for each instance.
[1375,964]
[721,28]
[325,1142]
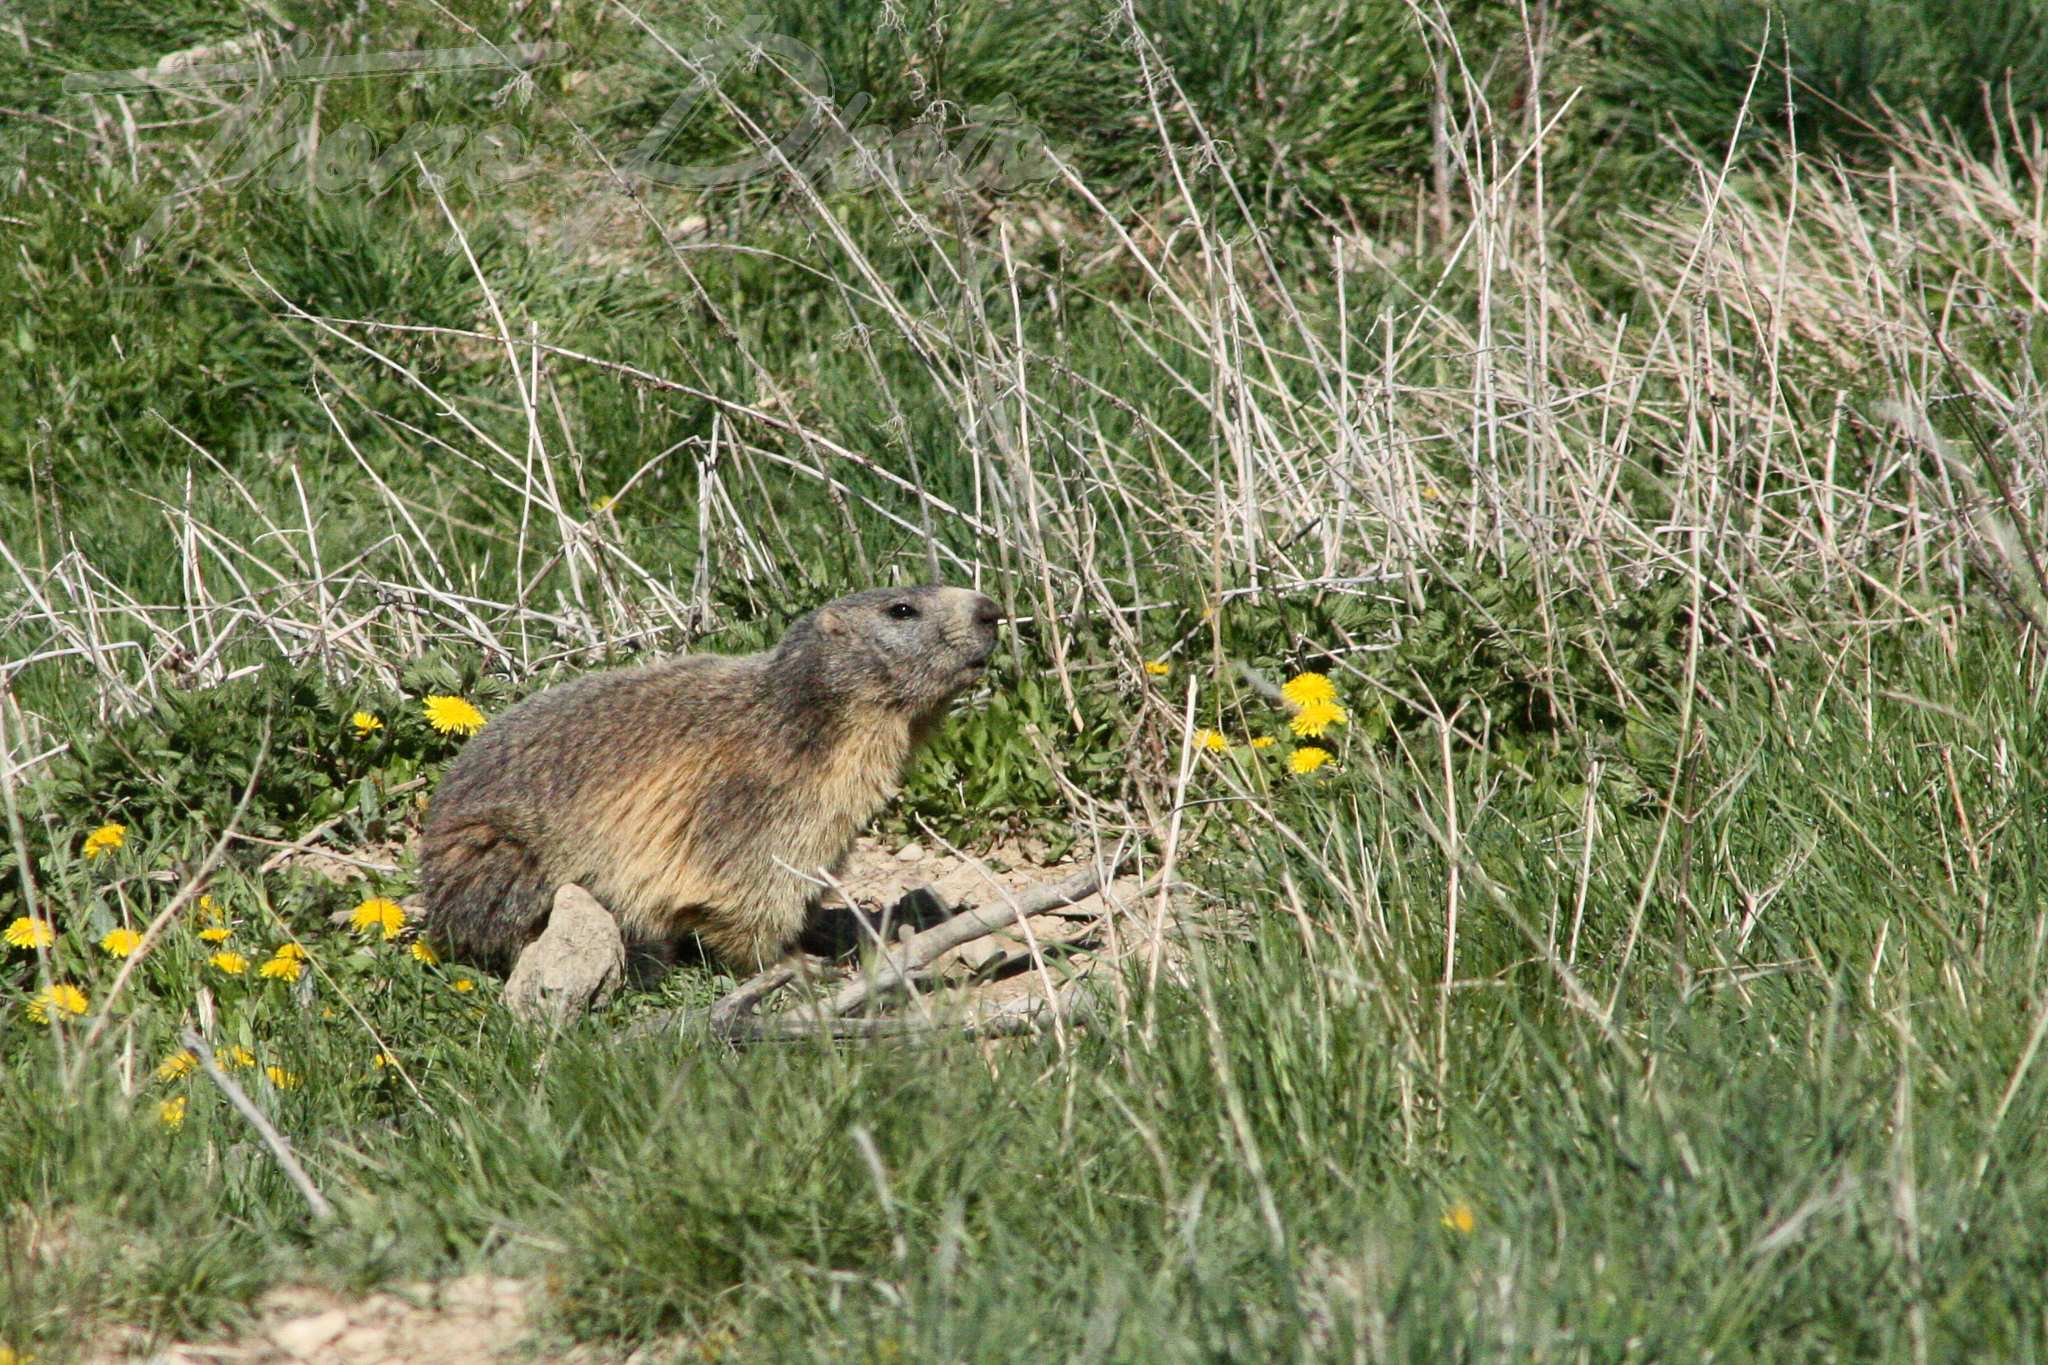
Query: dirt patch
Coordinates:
[477,1320]
[901,888]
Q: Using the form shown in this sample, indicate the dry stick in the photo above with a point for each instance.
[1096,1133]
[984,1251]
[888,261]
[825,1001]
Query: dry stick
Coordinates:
[1592,826]
[1074,1004]
[728,1012]
[1678,764]
[1451,888]
[280,1147]
[743,998]
[1188,753]
[2012,1088]
[1035,953]
[286,850]
[896,969]
[304,843]
[727,1018]
[862,924]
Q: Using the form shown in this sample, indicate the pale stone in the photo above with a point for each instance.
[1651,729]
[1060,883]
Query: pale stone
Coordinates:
[575,964]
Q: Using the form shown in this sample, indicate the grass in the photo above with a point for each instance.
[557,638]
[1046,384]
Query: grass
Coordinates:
[1655,971]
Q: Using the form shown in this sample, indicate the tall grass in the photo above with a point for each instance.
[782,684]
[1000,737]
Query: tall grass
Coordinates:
[1656,971]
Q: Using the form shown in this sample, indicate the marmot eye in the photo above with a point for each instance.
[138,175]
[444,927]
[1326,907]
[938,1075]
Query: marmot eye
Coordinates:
[902,611]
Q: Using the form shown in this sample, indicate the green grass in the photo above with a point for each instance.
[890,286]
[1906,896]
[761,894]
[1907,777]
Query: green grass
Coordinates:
[1672,903]
[1832,75]
[1802,1147]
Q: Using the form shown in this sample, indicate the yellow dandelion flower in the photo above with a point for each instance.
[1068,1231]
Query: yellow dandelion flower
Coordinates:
[1306,689]
[236,1058]
[217,934]
[282,969]
[365,724]
[1460,1218]
[28,932]
[282,1079]
[602,503]
[463,984]
[1313,719]
[63,996]
[178,1064]
[105,839]
[121,942]
[210,911]
[453,715]
[425,954]
[1158,668]
[1262,741]
[1211,740]
[1308,758]
[290,952]
[382,1060]
[233,964]
[171,1113]
[379,913]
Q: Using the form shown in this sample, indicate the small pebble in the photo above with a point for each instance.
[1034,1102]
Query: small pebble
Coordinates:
[910,853]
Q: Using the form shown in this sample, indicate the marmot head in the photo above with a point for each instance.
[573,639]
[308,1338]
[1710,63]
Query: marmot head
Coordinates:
[902,649]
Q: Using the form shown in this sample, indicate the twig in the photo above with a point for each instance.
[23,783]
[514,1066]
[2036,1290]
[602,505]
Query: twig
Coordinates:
[728,1010]
[280,1146]
[730,1017]
[897,968]
[742,1000]
[1074,1004]
[286,851]
[304,843]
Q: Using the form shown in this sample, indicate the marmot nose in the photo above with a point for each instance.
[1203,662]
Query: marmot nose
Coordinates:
[986,613]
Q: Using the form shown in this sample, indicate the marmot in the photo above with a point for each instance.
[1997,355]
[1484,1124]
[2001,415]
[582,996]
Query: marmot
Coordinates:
[701,795]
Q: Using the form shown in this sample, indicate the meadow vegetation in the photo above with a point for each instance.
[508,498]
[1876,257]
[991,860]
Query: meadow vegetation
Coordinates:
[1635,410]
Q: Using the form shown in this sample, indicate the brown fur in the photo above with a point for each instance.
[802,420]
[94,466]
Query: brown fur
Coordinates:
[702,795]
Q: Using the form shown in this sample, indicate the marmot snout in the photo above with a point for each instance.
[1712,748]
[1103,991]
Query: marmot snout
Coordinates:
[702,795]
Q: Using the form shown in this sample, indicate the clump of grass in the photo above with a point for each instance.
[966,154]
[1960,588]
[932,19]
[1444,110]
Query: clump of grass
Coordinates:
[1834,78]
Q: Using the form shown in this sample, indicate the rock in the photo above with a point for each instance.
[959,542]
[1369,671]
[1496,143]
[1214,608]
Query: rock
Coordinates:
[575,964]
[910,853]
[978,953]
[302,1337]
